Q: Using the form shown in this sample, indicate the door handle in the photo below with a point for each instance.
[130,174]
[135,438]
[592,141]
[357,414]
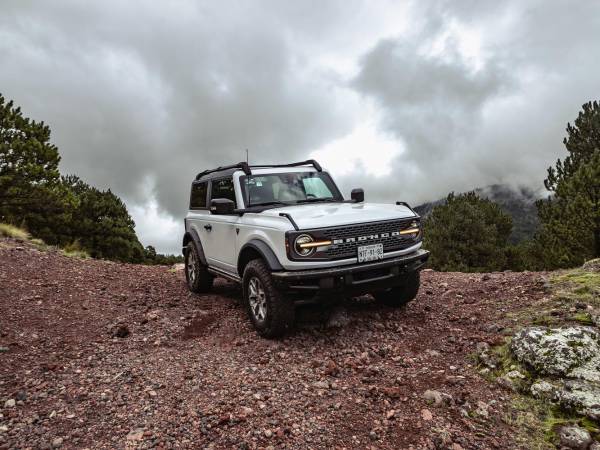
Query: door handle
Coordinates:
[208,227]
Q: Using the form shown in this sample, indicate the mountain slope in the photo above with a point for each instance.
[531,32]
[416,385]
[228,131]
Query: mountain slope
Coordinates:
[518,203]
[109,355]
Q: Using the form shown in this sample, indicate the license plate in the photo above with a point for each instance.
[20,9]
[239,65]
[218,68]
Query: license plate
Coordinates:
[370,252]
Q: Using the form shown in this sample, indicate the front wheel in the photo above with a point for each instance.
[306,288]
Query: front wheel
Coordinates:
[271,313]
[400,295]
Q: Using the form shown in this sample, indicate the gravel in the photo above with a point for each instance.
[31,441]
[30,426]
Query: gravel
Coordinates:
[190,372]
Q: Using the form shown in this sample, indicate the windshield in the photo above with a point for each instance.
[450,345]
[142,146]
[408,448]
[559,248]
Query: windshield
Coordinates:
[288,188]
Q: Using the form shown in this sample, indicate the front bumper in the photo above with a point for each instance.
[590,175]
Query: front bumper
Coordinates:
[356,278]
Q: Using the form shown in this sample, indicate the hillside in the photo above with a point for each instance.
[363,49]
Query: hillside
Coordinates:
[107,355]
[518,203]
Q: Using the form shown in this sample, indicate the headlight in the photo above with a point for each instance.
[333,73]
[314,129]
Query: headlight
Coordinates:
[301,245]
[413,230]
[305,245]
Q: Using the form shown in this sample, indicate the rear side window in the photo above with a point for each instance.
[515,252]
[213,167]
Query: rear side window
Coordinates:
[198,196]
[223,188]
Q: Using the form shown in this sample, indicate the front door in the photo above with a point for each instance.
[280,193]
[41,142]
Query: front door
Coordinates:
[219,231]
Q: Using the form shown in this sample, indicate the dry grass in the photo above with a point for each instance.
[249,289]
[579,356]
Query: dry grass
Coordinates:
[11,231]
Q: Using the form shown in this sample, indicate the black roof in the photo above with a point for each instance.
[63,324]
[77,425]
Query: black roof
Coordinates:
[224,171]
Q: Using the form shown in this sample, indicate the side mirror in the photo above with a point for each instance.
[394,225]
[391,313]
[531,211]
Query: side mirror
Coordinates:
[357,195]
[222,206]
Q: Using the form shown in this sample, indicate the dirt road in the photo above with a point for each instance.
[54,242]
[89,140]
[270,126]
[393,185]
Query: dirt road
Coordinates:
[103,355]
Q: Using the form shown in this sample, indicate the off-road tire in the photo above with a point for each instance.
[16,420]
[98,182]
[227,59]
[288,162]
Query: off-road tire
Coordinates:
[202,281]
[279,311]
[400,295]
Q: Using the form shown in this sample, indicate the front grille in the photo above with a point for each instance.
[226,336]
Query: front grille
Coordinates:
[349,249]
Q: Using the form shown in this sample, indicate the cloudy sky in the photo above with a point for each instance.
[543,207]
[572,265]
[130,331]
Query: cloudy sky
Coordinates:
[408,100]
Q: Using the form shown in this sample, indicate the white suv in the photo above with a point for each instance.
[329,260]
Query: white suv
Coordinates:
[288,236]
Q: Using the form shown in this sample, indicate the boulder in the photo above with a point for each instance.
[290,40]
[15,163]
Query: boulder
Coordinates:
[574,437]
[556,351]
[580,396]
[542,389]
[593,265]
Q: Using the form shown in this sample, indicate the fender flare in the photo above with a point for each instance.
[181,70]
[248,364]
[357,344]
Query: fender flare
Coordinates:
[264,250]
[192,235]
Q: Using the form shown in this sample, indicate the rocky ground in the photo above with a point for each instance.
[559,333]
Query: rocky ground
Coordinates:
[96,354]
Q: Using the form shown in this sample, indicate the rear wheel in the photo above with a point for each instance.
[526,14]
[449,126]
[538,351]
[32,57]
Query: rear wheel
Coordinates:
[197,275]
[400,295]
[271,313]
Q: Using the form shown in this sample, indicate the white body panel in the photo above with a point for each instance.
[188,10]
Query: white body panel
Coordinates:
[229,234]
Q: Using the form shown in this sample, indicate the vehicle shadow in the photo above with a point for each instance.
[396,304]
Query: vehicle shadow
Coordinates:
[324,314]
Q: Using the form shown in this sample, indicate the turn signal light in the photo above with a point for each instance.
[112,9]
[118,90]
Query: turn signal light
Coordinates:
[410,231]
[314,244]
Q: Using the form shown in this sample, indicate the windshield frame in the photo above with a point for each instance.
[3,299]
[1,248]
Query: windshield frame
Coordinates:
[327,179]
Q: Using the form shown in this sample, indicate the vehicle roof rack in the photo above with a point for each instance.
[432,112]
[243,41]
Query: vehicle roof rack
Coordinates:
[247,168]
[308,162]
[241,165]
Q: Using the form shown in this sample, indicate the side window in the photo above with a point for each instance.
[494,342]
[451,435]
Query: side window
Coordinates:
[223,188]
[198,195]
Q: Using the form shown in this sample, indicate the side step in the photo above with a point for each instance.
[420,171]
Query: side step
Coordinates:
[223,273]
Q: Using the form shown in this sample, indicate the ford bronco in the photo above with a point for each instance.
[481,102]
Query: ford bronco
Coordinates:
[288,236]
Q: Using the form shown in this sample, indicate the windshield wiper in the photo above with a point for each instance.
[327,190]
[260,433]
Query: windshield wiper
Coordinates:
[315,200]
[270,203]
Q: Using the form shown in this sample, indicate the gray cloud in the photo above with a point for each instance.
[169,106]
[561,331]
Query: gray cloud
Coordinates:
[147,96]
[465,126]
[140,96]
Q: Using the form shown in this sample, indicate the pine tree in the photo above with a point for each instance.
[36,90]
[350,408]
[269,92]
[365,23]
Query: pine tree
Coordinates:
[30,193]
[467,233]
[101,223]
[570,217]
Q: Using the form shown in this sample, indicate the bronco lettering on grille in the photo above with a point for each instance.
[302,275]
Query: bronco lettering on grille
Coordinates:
[370,237]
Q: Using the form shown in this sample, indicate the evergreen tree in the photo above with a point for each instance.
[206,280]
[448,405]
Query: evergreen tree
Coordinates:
[30,194]
[101,223]
[467,233]
[570,217]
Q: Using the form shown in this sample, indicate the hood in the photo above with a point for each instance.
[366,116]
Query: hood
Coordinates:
[321,215]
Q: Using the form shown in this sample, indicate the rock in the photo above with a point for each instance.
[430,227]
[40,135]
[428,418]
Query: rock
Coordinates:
[338,318]
[589,370]
[482,409]
[135,435]
[593,265]
[485,277]
[426,414]
[391,392]
[511,380]
[555,351]
[331,369]
[542,389]
[10,403]
[268,433]
[433,397]
[390,414]
[580,396]
[488,360]
[178,267]
[595,446]
[57,443]
[321,384]
[121,331]
[246,412]
[574,437]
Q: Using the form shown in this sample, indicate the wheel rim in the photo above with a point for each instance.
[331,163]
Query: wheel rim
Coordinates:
[192,267]
[257,299]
